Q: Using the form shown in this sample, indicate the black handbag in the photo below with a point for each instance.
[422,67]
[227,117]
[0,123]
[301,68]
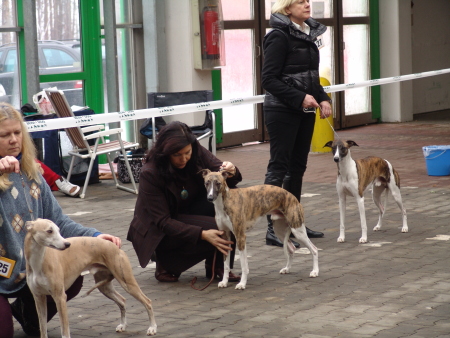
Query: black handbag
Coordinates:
[135,161]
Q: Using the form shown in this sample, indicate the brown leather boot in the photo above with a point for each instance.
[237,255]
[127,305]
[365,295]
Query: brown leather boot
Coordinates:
[164,276]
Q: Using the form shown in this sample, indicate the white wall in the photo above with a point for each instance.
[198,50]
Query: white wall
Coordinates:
[396,59]
[431,51]
[181,75]
[414,40]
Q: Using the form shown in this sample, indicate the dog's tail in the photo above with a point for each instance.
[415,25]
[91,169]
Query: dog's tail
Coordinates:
[298,218]
[101,283]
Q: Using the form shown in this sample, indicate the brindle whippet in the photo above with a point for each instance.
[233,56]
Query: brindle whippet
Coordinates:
[357,176]
[51,272]
[238,209]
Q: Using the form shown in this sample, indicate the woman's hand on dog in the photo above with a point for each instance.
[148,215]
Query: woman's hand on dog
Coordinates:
[228,167]
[116,240]
[214,237]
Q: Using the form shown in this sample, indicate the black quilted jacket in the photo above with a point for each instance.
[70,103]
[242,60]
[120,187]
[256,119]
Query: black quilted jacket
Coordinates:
[291,64]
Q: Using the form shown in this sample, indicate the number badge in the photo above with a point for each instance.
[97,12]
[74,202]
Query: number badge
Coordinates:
[6,267]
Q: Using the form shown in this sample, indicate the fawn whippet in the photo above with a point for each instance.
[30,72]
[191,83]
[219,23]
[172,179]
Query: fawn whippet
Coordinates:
[356,176]
[51,272]
[238,209]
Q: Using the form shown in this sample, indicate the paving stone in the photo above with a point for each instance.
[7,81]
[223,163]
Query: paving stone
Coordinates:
[395,286]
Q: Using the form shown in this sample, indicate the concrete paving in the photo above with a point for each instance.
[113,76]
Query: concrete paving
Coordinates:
[397,285]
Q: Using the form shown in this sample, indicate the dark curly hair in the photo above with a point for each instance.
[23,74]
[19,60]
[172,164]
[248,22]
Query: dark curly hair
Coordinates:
[171,138]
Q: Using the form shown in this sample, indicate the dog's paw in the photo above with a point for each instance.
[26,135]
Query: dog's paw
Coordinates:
[341,240]
[151,331]
[377,228]
[314,274]
[121,327]
[405,229]
[240,286]
[222,285]
[363,240]
[284,271]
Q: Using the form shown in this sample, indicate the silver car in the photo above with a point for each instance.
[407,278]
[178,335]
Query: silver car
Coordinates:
[55,57]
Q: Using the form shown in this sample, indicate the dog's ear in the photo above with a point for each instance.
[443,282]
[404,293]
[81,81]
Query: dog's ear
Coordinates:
[329,144]
[204,172]
[225,174]
[351,143]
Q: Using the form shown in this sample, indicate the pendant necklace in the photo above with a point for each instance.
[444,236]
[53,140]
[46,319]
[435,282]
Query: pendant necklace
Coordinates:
[184,194]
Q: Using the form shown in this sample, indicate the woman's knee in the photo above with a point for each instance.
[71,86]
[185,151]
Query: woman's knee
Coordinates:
[205,222]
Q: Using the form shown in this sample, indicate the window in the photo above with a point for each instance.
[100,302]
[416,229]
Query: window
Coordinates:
[57,58]
[10,61]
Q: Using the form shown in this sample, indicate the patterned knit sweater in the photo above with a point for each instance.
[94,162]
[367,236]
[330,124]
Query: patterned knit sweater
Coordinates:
[15,205]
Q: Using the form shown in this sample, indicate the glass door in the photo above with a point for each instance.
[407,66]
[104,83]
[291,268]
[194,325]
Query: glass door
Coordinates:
[9,69]
[345,57]
[355,63]
[68,51]
[59,47]
[240,75]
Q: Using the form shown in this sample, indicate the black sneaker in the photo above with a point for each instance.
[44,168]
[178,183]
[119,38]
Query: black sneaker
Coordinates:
[27,327]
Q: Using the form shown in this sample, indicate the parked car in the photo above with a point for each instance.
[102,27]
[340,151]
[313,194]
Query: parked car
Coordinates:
[55,57]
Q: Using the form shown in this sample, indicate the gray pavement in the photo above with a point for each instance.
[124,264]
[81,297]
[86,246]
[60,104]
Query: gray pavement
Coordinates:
[397,285]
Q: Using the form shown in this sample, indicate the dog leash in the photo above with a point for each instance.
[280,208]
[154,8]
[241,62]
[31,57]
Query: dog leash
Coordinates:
[194,280]
[334,131]
[212,275]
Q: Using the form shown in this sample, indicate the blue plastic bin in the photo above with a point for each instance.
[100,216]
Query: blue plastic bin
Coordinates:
[437,159]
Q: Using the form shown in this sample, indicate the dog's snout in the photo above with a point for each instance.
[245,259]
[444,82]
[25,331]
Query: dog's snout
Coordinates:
[336,159]
[67,244]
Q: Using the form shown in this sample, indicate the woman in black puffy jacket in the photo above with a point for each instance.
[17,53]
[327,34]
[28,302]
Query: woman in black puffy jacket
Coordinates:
[290,77]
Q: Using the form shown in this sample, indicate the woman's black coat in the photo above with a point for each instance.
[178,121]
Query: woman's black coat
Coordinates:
[291,64]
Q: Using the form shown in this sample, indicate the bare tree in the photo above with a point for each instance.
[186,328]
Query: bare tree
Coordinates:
[58,19]
[6,7]
[55,19]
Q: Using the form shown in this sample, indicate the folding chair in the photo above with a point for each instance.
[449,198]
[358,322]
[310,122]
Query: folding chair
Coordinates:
[79,138]
[207,129]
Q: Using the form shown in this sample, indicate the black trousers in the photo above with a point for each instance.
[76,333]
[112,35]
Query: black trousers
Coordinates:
[290,142]
[177,256]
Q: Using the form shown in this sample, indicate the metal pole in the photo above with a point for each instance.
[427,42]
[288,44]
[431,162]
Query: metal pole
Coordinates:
[31,55]
[112,89]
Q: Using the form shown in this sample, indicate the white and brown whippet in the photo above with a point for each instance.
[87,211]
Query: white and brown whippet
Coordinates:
[238,209]
[51,272]
[357,176]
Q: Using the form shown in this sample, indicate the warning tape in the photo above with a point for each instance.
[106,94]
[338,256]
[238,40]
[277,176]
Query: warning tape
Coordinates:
[377,82]
[80,121]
